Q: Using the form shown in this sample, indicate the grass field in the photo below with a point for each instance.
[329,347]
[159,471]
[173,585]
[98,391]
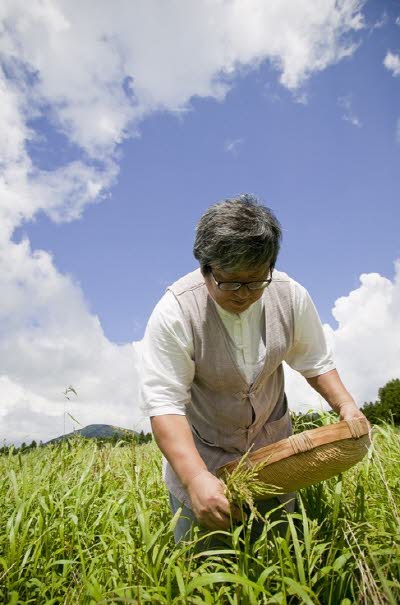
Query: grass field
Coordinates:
[83,523]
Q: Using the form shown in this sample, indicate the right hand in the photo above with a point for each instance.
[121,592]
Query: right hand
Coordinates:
[211,507]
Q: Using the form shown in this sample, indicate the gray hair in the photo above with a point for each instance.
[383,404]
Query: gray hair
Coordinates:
[237,234]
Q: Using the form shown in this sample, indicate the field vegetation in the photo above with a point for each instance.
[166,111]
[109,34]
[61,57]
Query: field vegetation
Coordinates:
[85,522]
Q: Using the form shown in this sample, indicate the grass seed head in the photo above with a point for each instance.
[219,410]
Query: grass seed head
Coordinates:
[243,485]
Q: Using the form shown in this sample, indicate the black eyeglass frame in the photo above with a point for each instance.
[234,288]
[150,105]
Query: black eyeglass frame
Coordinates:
[238,284]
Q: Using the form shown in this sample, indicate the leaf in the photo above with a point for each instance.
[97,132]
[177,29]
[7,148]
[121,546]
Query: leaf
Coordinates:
[215,578]
[61,562]
[294,588]
[74,419]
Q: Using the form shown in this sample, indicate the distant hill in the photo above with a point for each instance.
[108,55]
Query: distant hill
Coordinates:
[96,431]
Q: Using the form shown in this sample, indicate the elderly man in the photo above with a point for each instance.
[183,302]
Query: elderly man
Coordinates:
[213,382]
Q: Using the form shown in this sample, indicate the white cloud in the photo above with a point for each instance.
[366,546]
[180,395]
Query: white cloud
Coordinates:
[392,63]
[346,103]
[398,21]
[232,146]
[25,189]
[366,342]
[301,397]
[94,75]
[81,57]
[301,97]
[49,340]
[381,22]
[58,343]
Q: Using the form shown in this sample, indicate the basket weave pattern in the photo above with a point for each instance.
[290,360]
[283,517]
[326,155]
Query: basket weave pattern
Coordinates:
[309,457]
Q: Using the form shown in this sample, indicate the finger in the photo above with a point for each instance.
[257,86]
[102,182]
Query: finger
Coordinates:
[218,521]
[235,514]
[238,513]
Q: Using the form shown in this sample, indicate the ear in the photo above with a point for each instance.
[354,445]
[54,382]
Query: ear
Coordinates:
[205,270]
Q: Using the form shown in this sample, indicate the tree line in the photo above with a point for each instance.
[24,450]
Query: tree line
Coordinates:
[127,439]
[387,407]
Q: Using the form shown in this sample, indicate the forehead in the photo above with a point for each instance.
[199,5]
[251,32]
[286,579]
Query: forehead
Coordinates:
[258,273]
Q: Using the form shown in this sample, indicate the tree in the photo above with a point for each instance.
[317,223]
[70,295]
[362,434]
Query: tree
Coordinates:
[387,406]
[389,397]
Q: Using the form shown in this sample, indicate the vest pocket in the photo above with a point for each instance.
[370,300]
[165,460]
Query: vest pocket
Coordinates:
[196,432]
[280,428]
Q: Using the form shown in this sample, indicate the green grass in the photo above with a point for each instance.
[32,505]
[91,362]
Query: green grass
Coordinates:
[87,524]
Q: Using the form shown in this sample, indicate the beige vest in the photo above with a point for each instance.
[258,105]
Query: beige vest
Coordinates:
[226,413]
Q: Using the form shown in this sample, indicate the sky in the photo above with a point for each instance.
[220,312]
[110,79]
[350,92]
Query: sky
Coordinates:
[120,123]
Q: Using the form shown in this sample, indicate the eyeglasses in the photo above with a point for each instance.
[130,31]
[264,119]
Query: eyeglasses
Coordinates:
[230,286]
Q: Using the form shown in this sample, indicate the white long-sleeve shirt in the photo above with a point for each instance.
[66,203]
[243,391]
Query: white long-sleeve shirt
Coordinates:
[168,354]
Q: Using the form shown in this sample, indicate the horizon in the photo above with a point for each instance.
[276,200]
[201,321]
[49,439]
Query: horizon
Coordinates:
[113,146]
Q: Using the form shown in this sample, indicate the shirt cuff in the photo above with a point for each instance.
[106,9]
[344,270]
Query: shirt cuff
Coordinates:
[163,410]
[318,371]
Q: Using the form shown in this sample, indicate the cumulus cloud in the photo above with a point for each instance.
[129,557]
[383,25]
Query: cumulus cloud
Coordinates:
[366,342]
[49,340]
[301,397]
[392,63]
[349,115]
[93,76]
[24,188]
[80,58]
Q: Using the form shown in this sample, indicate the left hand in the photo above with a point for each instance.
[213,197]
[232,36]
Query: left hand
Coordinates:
[349,411]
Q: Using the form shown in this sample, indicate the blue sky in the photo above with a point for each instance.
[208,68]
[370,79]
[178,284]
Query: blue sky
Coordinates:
[317,140]
[334,185]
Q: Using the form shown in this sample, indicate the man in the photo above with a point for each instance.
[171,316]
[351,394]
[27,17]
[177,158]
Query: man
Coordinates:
[213,381]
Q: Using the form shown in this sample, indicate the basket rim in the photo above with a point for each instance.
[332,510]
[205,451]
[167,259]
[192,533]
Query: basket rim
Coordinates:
[302,442]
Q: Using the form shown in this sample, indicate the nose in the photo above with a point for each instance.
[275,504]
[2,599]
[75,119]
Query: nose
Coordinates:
[243,293]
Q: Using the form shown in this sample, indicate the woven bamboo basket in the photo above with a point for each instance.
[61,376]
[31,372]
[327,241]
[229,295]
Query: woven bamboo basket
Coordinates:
[309,457]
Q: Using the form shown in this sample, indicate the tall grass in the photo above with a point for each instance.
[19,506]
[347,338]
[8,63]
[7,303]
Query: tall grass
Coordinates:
[87,524]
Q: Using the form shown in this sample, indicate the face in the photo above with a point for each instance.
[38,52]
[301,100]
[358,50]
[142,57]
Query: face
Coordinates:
[240,300]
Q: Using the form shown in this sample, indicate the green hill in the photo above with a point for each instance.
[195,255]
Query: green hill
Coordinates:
[97,431]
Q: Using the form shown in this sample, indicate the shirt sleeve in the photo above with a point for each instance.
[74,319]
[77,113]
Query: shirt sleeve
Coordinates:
[167,366]
[310,354]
